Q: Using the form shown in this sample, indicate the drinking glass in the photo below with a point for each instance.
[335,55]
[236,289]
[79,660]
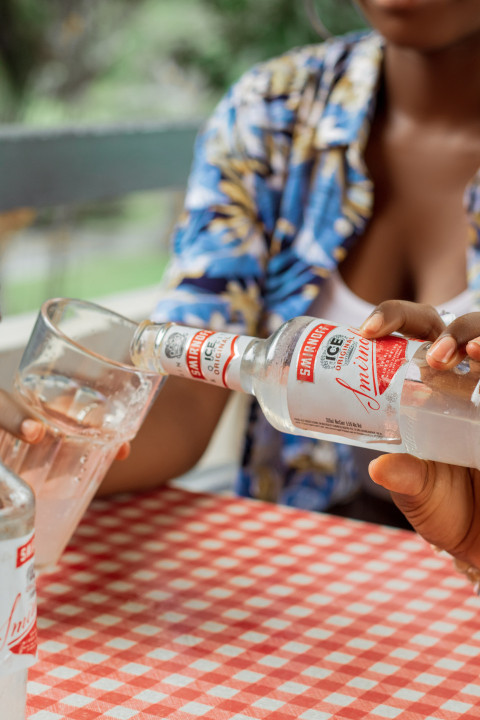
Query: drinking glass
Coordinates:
[77,377]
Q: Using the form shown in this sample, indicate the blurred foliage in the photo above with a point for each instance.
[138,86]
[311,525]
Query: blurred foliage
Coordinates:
[88,61]
[21,32]
[64,61]
[249,31]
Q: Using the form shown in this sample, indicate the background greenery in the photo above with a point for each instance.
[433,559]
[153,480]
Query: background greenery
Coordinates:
[108,60]
[114,61]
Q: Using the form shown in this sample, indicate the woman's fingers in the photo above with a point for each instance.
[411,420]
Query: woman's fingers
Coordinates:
[462,337]
[123,451]
[473,349]
[402,474]
[409,318]
[32,431]
[450,344]
[438,500]
[15,419]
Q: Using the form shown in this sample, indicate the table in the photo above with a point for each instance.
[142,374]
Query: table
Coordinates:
[179,605]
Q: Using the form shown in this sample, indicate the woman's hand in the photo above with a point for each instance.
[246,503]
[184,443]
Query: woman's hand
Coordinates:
[452,343]
[15,419]
[441,501]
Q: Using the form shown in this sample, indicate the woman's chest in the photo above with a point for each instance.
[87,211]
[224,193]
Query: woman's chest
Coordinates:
[414,246]
[410,253]
[398,229]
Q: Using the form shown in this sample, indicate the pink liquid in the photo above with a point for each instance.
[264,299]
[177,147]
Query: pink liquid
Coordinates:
[64,473]
[66,468]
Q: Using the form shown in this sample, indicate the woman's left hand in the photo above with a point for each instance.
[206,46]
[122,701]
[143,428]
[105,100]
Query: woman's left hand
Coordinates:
[16,419]
[442,502]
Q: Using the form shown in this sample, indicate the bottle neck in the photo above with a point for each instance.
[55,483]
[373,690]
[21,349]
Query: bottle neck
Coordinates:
[194,353]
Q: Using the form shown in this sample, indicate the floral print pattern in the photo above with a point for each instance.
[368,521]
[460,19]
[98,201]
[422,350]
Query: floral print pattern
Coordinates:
[277,195]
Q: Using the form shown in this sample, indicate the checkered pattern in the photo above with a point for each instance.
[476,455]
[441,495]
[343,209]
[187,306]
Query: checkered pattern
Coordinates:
[183,606]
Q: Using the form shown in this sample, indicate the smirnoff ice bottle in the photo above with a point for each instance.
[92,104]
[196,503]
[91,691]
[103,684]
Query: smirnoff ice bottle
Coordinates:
[313,377]
[18,606]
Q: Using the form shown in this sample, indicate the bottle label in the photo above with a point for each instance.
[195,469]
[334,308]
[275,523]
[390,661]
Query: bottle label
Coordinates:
[18,604]
[342,384]
[202,355]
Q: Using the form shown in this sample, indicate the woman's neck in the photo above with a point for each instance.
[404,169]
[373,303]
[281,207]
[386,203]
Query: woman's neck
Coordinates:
[439,88]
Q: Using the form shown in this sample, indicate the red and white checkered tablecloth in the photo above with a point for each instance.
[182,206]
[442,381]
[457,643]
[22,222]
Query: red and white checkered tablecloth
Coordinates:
[183,606]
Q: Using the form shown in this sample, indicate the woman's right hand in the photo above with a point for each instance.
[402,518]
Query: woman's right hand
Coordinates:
[442,502]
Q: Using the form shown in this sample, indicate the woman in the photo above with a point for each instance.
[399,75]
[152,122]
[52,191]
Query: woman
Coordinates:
[329,181]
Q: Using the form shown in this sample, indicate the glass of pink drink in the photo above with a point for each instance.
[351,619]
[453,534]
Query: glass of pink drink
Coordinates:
[77,377]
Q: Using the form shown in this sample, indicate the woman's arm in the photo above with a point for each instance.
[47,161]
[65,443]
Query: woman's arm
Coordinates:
[172,438]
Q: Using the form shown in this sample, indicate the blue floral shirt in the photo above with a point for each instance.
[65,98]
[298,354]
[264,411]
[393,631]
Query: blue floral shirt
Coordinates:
[277,195]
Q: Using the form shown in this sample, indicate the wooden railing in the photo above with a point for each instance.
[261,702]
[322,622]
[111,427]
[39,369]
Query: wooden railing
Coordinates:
[68,166]
[41,168]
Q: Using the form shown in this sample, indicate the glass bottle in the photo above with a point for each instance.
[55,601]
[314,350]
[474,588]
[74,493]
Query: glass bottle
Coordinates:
[18,604]
[315,378]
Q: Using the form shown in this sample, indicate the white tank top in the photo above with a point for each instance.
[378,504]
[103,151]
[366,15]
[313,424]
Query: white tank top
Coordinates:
[338,303]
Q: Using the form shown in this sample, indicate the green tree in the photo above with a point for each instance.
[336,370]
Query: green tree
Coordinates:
[253,30]
[21,46]
[75,60]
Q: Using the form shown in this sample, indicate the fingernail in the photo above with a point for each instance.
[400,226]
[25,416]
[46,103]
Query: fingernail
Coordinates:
[476,344]
[443,349]
[372,463]
[32,430]
[373,323]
